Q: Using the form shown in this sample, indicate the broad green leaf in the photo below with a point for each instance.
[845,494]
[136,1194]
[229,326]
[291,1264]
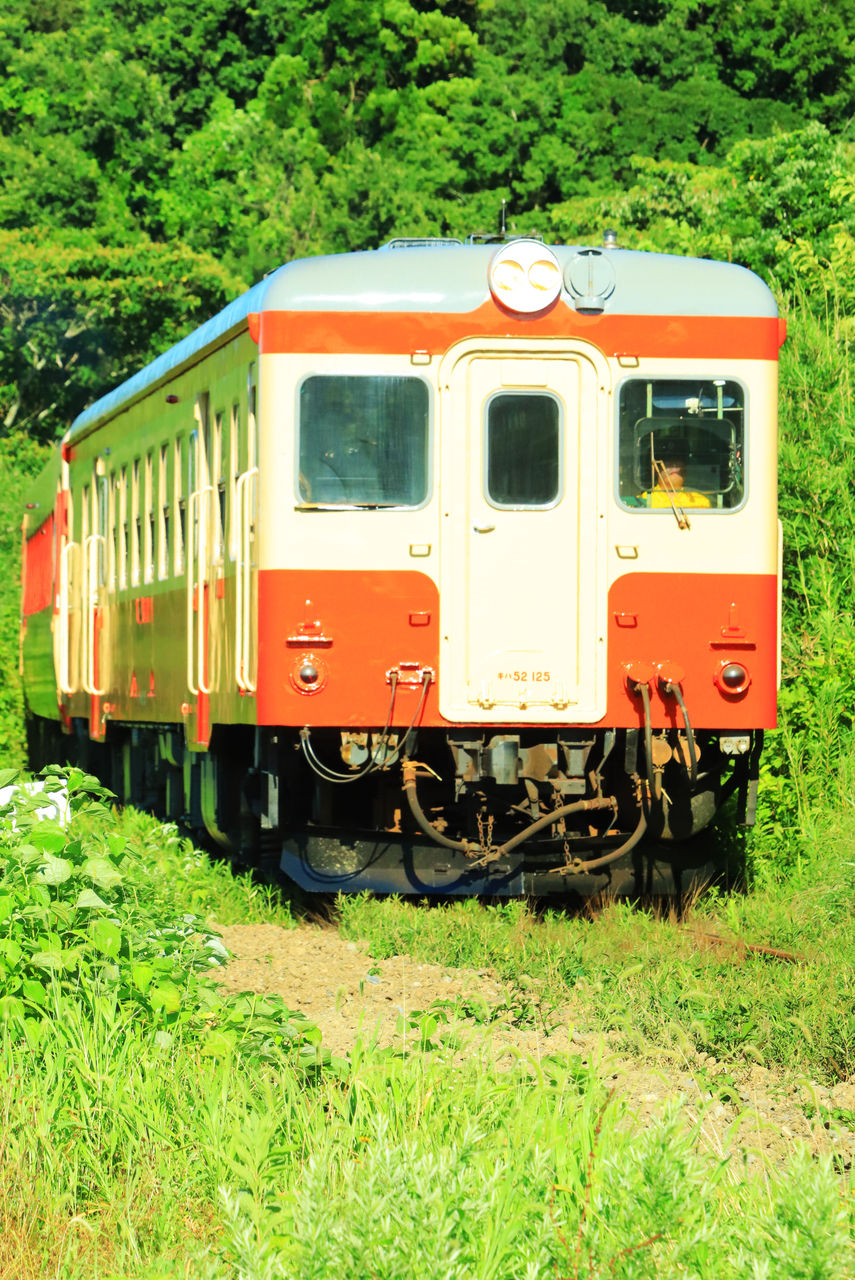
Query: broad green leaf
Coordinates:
[141,976]
[11,1007]
[102,872]
[34,990]
[10,951]
[217,1044]
[7,777]
[7,905]
[107,937]
[89,898]
[165,996]
[54,870]
[35,1029]
[427,1026]
[48,836]
[309,1055]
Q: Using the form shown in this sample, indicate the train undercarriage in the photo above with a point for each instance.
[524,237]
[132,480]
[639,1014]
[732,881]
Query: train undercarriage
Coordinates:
[503,812]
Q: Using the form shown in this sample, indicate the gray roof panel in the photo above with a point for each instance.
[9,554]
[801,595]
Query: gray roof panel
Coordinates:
[450,278]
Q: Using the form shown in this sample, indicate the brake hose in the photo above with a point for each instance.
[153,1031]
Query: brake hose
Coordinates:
[594,864]
[668,687]
[328,774]
[654,784]
[470,847]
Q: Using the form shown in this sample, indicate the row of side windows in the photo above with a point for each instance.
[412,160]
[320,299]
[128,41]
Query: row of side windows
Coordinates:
[134,516]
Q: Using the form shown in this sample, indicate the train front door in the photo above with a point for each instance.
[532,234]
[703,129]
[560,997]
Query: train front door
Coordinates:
[523,442]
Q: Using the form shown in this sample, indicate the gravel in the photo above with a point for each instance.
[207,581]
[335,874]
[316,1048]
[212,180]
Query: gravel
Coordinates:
[350,996]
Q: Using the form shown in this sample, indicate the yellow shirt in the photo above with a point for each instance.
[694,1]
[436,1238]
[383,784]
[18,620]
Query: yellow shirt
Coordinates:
[682,498]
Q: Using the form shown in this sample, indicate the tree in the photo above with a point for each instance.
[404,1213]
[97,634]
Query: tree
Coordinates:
[77,317]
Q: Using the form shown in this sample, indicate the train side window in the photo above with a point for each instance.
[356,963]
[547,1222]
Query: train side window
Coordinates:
[149,520]
[100,508]
[218,481]
[363,441]
[251,424]
[234,472]
[112,541]
[163,513]
[123,527]
[84,520]
[522,447]
[681,440]
[136,524]
[179,503]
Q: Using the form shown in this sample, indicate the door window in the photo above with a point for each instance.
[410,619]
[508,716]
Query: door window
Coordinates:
[523,450]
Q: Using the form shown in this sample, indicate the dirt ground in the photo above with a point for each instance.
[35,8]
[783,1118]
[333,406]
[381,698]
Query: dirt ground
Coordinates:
[349,995]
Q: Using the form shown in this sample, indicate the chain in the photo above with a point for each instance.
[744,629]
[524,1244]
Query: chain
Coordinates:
[486,845]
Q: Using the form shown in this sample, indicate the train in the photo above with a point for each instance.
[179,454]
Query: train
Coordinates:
[446,567]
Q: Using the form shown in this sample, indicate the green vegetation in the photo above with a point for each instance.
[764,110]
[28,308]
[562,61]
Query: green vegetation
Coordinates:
[155,159]
[154,1127]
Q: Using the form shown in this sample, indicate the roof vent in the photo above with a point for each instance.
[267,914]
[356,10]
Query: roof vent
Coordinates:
[421,242]
[610,238]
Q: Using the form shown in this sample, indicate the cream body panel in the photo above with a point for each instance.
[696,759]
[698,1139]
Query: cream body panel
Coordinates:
[743,541]
[133,651]
[294,536]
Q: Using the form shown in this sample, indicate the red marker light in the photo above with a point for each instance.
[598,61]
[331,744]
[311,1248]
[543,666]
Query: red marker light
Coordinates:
[732,677]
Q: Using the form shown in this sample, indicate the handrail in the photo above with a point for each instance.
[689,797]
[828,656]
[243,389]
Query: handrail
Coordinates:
[197,572]
[63,674]
[190,569]
[90,605]
[244,504]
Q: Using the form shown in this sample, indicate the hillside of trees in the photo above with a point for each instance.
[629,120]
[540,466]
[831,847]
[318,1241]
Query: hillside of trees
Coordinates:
[157,158]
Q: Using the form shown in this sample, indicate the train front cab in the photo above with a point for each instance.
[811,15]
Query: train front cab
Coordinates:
[588,656]
[389,499]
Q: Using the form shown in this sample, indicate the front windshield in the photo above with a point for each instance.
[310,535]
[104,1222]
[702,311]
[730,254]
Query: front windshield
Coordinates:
[363,441]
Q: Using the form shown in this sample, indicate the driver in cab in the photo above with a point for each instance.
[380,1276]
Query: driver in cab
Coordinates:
[669,488]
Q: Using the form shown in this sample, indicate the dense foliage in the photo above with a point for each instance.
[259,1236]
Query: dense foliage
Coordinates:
[154,158]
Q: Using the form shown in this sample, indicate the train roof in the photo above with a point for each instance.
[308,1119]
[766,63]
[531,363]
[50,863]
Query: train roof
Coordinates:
[447,276]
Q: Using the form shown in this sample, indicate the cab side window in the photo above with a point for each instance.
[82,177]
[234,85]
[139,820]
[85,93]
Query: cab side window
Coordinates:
[681,442]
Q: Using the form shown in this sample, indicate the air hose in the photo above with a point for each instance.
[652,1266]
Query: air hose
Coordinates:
[470,847]
[673,687]
[373,763]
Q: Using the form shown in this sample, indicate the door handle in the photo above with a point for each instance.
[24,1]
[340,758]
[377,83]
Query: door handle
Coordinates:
[483,528]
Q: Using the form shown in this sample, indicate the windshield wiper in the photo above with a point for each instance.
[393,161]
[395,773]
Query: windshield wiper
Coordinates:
[346,506]
[665,484]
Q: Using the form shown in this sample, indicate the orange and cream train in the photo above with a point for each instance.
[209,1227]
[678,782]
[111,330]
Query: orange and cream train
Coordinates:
[441,568]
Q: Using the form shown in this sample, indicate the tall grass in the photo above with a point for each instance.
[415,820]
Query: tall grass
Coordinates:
[808,764]
[124,1159]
